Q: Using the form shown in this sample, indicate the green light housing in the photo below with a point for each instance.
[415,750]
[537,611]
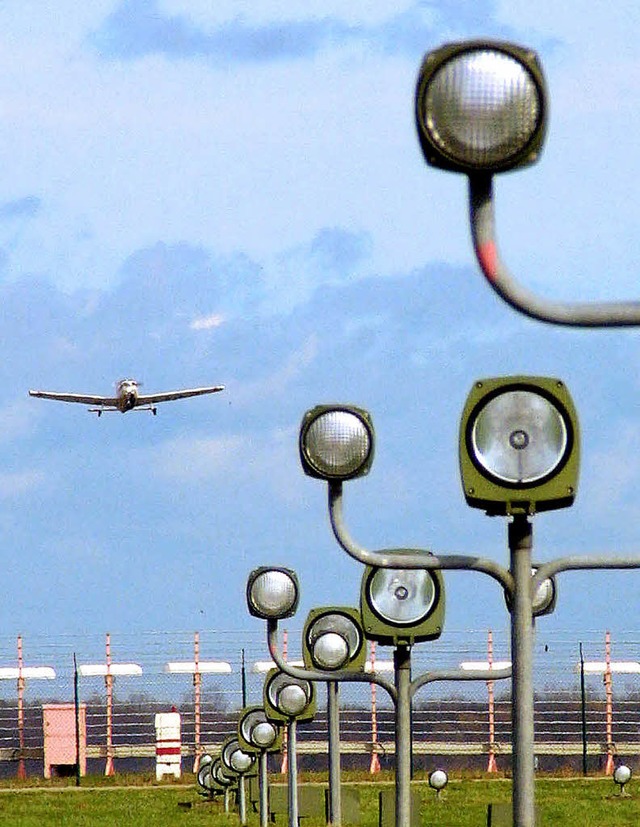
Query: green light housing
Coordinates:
[519,446]
[481,106]
[333,638]
[402,606]
[256,733]
[235,760]
[286,698]
[336,442]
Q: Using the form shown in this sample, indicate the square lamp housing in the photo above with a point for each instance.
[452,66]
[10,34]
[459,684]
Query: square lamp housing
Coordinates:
[519,446]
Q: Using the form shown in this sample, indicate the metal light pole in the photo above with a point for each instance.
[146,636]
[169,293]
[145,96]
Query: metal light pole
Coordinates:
[481,109]
[259,735]
[401,691]
[324,434]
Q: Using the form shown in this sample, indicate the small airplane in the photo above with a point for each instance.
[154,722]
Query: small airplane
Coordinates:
[127,397]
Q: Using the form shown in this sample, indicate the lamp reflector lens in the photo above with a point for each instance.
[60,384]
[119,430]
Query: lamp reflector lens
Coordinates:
[341,625]
[292,700]
[240,761]
[438,779]
[482,107]
[289,695]
[519,437]
[622,774]
[543,596]
[273,593]
[219,774]
[263,735]
[330,651]
[337,443]
[204,777]
[402,596]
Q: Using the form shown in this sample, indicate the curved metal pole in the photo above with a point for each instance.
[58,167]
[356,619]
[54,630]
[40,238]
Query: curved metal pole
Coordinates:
[317,675]
[574,314]
[459,675]
[409,558]
[576,563]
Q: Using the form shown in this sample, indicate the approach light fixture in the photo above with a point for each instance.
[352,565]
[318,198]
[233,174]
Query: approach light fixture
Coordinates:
[544,599]
[220,775]
[622,776]
[336,442]
[402,606]
[205,780]
[234,758]
[272,593]
[333,639]
[519,445]
[286,698]
[481,106]
[438,780]
[256,732]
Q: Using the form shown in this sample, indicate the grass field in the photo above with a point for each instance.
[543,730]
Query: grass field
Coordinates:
[561,803]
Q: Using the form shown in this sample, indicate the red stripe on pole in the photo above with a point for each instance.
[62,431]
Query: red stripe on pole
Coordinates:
[488,257]
[167,750]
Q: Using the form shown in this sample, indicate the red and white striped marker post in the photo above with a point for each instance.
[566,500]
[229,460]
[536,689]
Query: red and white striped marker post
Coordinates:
[109,671]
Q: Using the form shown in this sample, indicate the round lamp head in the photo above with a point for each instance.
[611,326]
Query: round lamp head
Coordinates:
[264,735]
[228,747]
[333,639]
[402,606]
[256,732]
[220,774]
[205,779]
[622,776]
[272,593]
[336,442]
[544,599]
[481,106]
[241,761]
[519,446]
[286,698]
[438,780]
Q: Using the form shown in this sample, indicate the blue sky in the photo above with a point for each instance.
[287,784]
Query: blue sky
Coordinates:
[195,195]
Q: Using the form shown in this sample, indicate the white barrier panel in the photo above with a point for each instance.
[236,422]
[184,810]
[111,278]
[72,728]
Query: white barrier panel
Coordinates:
[168,744]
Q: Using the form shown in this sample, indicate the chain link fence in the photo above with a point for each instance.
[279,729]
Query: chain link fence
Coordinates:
[581,719]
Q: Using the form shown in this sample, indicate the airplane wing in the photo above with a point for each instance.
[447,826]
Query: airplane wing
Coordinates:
[106,401]
[152,399]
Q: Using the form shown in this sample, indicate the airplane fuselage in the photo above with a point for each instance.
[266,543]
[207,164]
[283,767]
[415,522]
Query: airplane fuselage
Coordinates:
[127,393]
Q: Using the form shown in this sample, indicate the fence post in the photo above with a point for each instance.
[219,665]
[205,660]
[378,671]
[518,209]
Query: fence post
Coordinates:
[284,766]
[492,765]
[374,766]
[608,686]
[197,683]
[22,771]
[108,680]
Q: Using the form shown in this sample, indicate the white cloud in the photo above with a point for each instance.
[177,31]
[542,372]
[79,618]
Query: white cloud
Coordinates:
[207,15]
[207,322]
